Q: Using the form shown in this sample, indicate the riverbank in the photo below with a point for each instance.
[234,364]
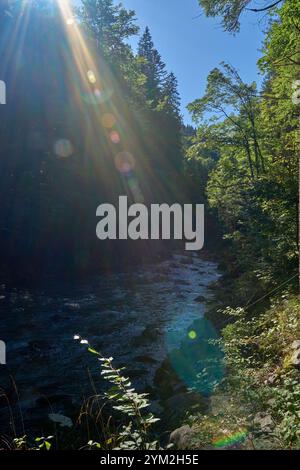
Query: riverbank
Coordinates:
[257,406]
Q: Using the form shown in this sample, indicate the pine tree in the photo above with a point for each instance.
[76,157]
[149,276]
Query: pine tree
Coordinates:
[153,67]
[171,95]
[109,25]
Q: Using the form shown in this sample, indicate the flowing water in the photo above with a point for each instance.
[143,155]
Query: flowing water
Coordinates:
[143,319]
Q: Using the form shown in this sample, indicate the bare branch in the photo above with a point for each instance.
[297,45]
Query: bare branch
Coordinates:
[257,10]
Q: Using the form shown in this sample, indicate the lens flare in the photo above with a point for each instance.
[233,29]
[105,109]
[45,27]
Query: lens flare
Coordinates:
[230,441]
[70,21]
[91,76]
[135,189]
[97,96]
[115,137]
[192,334]
[196,356]
[108,120]
[124,162]
[63,148]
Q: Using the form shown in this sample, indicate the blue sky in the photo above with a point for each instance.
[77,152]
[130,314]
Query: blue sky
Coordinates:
[192,47]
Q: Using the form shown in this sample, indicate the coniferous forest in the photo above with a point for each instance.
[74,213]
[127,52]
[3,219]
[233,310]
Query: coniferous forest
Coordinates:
[205,344]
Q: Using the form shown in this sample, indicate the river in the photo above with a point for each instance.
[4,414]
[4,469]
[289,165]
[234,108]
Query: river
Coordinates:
[150,320]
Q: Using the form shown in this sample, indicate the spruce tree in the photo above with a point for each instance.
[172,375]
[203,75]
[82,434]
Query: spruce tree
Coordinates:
[109,26]
[171,95]
[153,67]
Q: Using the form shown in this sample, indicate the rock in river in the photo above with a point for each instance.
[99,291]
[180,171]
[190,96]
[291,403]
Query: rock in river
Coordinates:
[181,437]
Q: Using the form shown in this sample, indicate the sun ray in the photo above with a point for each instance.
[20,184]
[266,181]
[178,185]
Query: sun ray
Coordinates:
[13,46]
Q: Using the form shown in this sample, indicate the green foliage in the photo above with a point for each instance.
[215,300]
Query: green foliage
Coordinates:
[281,47]
[231,10]
[257,355]
[257,406]
[286,411]
[252,186]
[41,443]
[111,25]
[152,67]
[134,435]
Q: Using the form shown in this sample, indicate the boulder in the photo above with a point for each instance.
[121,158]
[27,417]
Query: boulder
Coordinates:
[295,358]
[149,333]
[264,422]
[146,359]
[181,437]
[63,421]
[271,379]
[296,344]
[177,406]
